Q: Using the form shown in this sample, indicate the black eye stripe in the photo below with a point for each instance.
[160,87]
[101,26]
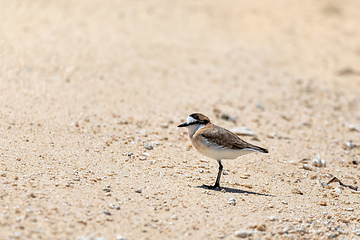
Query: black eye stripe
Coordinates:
[197,122]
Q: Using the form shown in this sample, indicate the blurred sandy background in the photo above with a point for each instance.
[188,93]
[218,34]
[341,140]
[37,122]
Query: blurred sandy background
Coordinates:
[87,87]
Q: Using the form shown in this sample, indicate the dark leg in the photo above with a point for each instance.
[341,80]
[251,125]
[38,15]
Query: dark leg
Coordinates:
[217,183]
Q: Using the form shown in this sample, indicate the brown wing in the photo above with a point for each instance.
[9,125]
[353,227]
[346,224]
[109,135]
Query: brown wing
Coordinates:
[232,141]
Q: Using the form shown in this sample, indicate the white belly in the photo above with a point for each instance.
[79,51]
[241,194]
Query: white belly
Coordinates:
[219,153]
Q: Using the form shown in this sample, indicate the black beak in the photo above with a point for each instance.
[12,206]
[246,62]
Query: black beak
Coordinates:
[183,125]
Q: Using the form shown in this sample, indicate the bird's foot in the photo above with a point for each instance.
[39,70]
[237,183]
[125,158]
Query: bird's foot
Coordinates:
[216,186]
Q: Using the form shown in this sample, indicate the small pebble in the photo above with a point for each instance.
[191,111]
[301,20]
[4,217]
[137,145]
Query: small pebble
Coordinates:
[318,162]
[297,191]
[232,201]
[164,125]
[357,232]
[353,127]
[336,192]
[107,189]
[287,229]
[243,233]
[227,117]
[273,219]
[148,146]
[300,230]
[350,144]
[113,206]
[138,191]
[261,227]
[107,213]
[307,167]
[174,217]
[119,237]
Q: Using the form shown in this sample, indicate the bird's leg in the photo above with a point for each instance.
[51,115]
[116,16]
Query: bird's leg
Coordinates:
[217,183]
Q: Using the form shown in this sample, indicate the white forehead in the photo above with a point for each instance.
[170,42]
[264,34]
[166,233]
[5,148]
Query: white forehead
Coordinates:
[190,119]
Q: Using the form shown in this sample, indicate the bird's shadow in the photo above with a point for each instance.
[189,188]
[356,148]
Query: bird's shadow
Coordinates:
[234,190]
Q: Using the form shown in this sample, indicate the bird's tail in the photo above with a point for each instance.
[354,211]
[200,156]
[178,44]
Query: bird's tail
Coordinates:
[259,149]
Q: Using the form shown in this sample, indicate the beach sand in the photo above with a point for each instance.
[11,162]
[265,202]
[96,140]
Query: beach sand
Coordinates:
[91,93]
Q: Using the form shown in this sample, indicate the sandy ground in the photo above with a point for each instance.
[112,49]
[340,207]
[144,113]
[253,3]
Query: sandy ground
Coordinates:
[85,84]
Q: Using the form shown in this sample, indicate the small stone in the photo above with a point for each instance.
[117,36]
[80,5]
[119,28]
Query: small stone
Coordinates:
[353,127]
[273,218]
[30,195]
[261,227]
[287,229]
[164,125]
[297,191]
[357,232]
[174,217]
[322,203]
[138,191]
[259,106]
[318,162]
[76,179]
[243,234]
[119,237]
[227,117]
[130,154]
[107,213]
[232,201]
[300,230]
[344,220]
[113,206]
[337,190]
[107,189]
[148,146]
[350,144]
[307,167]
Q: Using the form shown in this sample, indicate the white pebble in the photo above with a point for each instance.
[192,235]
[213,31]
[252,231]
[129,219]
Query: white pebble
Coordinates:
[318,162]
[273,219]
[307,167]
[119,237]
[232,201]
[148,146]
[243,233]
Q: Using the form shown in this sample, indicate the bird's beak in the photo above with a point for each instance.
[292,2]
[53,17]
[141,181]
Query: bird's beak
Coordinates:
[183,125]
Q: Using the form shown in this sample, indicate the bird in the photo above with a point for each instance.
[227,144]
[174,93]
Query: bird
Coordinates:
[216,142]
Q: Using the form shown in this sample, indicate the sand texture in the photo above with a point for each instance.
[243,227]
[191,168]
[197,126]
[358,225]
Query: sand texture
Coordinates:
[91,92]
